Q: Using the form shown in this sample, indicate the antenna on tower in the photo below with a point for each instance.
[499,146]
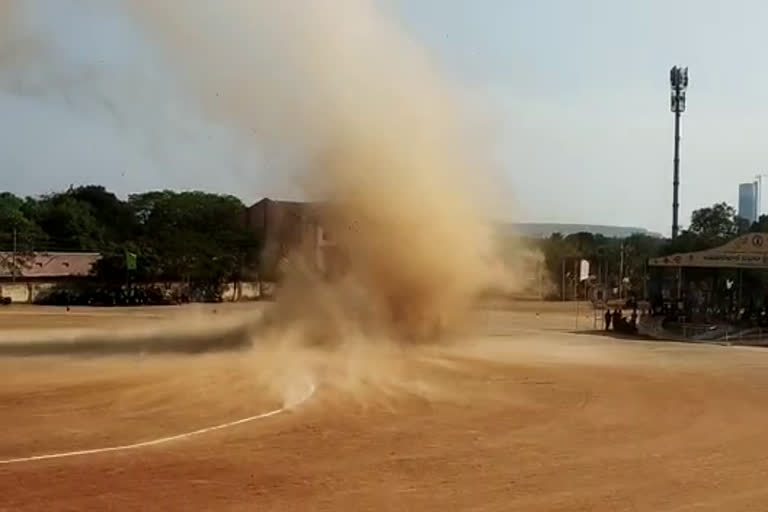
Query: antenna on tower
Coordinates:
[678,81]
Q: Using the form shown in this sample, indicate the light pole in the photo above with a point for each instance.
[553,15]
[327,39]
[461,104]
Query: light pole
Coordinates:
[759,196]
[621,272]
[13,266]
[678,81]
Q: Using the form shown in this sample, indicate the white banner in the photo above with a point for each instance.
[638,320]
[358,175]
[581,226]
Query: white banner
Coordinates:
[584,270]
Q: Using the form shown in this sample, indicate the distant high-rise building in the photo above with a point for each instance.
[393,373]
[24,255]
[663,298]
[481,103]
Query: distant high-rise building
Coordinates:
[748,201]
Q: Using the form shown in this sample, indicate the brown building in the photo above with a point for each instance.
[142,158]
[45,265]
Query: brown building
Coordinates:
[23,276]
[46,265]
[289,228]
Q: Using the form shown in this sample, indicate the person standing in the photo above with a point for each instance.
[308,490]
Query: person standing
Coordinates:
[607,319]
[618,319]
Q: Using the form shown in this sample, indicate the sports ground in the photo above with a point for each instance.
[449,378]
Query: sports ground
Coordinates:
[521,413]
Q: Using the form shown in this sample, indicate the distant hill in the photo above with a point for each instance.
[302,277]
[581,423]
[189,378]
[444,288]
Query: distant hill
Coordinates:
[545,229]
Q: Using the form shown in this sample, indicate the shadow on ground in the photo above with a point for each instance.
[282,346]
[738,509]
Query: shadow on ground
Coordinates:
[93,345]
[616,335]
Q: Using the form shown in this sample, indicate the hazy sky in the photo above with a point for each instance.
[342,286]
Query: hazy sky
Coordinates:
[573,95]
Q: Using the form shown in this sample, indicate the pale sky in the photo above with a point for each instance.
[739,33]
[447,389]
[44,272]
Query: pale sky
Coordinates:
[573,94]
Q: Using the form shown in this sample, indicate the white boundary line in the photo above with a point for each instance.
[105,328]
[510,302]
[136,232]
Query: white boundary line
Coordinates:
[162,440]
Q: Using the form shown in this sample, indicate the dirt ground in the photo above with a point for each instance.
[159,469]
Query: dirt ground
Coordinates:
[524,414]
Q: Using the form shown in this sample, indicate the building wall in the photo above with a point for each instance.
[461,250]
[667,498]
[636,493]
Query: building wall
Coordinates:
[25,292]
[45,265]
[28,292]
[289,228]
[748,201]
[242,291]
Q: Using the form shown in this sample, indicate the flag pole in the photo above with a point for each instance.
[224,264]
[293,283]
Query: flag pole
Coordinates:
[576,281]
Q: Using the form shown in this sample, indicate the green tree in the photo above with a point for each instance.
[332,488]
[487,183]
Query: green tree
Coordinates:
[559,251]
[638,249]
[715,223]
[118,220]
[710,227]
[69,223]
[194,237]
[761,226]
[16,229]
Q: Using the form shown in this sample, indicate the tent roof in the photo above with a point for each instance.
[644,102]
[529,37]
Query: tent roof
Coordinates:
[747,251]
[47,264]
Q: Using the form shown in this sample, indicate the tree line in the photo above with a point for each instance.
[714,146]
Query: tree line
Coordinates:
[192,237]
[202,239]
[615,259]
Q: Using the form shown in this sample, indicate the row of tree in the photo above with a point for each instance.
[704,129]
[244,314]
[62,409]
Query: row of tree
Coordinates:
[191,237]
[202,239]
[614,259]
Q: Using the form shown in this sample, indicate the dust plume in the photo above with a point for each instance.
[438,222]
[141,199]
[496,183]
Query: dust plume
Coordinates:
[27,62]
[7,14]
[10,18]
[361,114]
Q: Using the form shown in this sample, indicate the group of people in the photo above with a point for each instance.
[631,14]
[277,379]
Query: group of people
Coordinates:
[616,320]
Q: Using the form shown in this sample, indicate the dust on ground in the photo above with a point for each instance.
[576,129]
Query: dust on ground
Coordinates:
[376,134]
[518,416]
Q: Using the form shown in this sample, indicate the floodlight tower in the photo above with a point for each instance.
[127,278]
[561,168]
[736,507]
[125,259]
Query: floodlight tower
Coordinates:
[678,81]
